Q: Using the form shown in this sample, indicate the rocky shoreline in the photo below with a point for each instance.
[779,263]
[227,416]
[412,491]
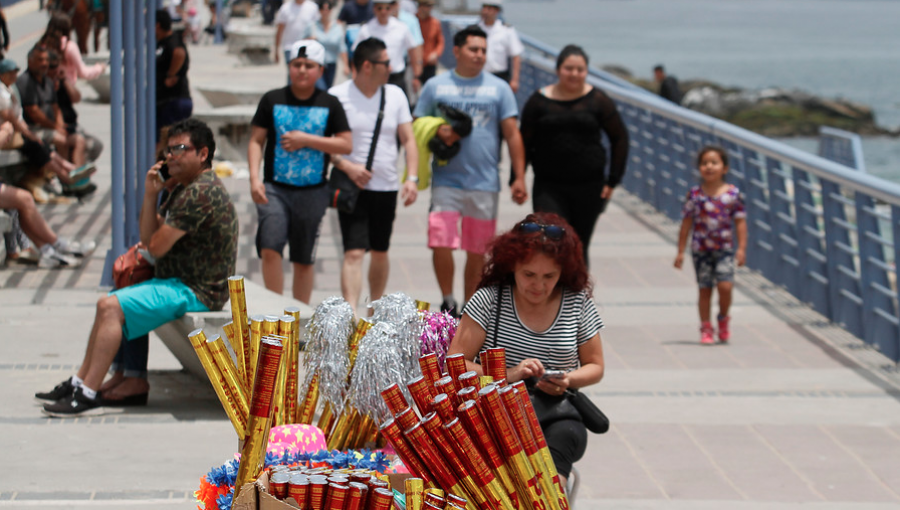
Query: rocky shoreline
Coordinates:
[773,111]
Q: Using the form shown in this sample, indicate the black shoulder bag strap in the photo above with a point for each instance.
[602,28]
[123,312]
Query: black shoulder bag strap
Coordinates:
[376,133]
[496,332]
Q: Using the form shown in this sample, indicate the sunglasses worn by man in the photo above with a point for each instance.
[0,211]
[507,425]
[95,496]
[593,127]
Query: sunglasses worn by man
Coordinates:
[549,231]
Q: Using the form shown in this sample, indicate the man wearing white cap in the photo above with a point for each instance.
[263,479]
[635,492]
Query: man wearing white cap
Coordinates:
[400,43]
[294,21]
[299,126]
[504,49]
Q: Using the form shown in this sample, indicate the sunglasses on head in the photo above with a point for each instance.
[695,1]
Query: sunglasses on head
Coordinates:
[549,231]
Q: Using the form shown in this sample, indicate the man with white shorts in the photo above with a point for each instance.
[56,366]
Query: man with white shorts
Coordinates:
[467,186]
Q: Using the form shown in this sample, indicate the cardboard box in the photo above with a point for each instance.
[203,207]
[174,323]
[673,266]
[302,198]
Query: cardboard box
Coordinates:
[256,496]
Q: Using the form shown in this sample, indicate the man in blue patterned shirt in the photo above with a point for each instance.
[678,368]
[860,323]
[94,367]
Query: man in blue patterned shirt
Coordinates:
[299,126]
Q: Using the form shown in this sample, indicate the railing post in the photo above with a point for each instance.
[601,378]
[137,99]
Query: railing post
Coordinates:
[843,292]
[813,267]
[874,283]
[117,139]
[131,205]
[784,235]
[150,97]
[759,226]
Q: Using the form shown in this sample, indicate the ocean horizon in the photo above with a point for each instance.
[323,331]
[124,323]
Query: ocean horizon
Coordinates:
[831,48]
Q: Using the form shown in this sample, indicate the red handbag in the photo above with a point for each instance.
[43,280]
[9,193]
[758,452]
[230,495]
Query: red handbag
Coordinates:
[132,268]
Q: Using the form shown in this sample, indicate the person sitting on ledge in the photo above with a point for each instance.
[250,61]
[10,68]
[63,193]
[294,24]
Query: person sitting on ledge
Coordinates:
[193,237]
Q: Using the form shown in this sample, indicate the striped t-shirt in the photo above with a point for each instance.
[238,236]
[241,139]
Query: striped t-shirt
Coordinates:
[557,348]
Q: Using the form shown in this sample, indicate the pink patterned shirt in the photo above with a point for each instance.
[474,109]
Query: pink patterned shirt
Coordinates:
[713,218]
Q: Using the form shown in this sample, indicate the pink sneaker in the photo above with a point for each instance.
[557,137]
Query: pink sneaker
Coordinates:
[724,332]
[706,334]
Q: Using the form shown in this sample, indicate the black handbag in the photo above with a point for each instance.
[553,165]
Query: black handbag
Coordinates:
[571,405]
[345,192]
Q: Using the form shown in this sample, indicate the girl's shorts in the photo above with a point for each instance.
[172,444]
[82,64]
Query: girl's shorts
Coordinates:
[713,266]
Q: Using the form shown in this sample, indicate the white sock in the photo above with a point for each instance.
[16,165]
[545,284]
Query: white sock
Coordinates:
[76,381]
[89,393]
[47,249]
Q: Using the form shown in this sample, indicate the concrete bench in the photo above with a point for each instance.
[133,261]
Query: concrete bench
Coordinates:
[231,125]
[230,95]
[259,301]
[252,43]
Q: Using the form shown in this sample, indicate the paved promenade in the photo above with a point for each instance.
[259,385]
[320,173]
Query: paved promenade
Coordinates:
[792,414]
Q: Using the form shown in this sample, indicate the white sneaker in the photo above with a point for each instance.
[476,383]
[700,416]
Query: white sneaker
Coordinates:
[51,258]
[70,247]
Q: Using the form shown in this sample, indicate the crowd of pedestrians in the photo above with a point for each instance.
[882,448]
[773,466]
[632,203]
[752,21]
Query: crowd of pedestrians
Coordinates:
[393,111]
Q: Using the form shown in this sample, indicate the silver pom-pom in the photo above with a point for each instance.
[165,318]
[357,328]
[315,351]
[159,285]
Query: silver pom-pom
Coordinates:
[326,349]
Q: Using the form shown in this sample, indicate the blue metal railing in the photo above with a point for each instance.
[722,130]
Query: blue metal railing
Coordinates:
[820,229]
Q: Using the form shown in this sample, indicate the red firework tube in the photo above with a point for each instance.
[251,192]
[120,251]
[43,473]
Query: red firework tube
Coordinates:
[380,499]
[317,490]
[362,478]
[375,483]
[356,500]
[456,366]
[457,500]
[431,506]
[444,407]
[442,441]
[391,431]
[337,496]
[520,422]
[493,361]
[470,379]
[493,410]
[467,393]
[253,453]
[471,417]
[446,385]
[464,446]
[528,408]
[430,368]
[339,480]
[299,489]
[279,484]
[500,382]
[393,397]
[431,457]
[406,418]
[435,500]
[453,506]
[422,392]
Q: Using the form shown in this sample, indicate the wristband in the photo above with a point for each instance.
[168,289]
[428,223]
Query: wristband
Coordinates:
[412,178]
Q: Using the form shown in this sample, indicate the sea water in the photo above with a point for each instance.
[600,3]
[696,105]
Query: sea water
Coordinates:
[832,48]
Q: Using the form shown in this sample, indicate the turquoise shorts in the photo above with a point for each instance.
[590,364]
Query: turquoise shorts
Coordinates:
[150,304]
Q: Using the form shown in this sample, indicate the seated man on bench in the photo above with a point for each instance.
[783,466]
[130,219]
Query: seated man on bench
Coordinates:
[193,237]
[55,251]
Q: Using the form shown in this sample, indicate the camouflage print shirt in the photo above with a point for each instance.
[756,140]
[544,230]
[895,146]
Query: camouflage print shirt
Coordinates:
[204,257]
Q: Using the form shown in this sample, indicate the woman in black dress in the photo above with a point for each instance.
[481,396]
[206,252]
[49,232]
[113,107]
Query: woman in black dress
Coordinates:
[561,129]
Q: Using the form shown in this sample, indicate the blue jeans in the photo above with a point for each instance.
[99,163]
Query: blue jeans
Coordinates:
[132,357]
[327,79]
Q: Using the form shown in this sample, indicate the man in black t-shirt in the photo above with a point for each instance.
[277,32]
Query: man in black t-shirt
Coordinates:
[668,85]
[173,94]
[299,126]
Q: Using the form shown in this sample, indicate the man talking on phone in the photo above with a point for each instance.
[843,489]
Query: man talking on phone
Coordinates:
[192,235]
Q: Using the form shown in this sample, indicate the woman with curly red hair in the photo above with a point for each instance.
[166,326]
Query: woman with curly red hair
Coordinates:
[534,300]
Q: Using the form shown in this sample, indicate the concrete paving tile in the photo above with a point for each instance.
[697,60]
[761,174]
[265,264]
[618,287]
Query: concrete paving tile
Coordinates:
[876,447]
[618,471]
[676,463]
[751,465]
[827,467]
[637,348]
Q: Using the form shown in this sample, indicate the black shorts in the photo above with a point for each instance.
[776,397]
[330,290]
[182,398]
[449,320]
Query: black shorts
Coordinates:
[292,216]
[370,225]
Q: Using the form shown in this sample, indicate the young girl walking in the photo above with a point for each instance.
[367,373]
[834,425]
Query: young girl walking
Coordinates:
[715,212]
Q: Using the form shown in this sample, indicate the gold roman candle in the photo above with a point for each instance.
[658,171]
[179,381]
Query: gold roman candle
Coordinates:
[307,408]
[238,298]
[293,385]
[220,356]
[228,401]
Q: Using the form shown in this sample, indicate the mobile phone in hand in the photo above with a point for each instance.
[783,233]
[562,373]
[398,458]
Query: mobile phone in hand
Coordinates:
[164,172]
[553,374]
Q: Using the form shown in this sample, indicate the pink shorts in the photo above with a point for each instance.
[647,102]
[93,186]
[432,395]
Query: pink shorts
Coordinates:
[478,210]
